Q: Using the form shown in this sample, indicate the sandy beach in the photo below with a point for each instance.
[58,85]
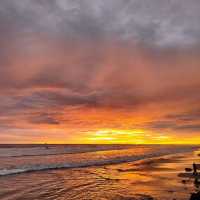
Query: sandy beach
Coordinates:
[149,179]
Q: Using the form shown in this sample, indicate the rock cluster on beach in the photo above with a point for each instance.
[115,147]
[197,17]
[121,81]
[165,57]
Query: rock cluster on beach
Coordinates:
[195,196]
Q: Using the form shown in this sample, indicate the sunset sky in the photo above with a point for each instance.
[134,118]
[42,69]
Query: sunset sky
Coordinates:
[100,71]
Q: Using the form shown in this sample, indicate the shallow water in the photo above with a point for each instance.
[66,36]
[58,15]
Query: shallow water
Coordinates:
[155,177]
[25,159]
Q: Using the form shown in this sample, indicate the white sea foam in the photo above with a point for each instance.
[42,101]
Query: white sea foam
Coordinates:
[91,162]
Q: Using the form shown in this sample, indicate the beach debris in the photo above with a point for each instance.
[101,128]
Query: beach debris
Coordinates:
[195,196]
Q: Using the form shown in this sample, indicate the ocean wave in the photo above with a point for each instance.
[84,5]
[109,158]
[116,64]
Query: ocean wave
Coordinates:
[110,161]
[51,150]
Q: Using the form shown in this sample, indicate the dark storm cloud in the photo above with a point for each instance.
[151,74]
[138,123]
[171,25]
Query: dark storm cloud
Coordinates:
[162,23]
[186,116]
[189,128]
[187,121]
[172,126]
[161,125]
[43,100]
[43,118]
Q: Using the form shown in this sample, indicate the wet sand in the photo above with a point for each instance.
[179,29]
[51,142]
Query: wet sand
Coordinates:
[149,179]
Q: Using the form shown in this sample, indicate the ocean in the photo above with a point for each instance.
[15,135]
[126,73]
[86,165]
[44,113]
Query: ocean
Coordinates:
[54,171]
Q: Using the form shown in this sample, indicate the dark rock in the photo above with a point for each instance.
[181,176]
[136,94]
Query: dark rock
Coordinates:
[188,169]
[197,181]
[195,196]
[184,181]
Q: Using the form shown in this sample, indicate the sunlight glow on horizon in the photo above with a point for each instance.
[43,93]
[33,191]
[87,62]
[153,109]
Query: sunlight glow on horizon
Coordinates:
[118,136]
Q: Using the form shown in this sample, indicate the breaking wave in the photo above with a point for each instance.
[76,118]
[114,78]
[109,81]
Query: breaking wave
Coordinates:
[90,163]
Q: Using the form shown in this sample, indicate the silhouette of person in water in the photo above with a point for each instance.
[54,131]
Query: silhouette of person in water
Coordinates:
[194,169]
